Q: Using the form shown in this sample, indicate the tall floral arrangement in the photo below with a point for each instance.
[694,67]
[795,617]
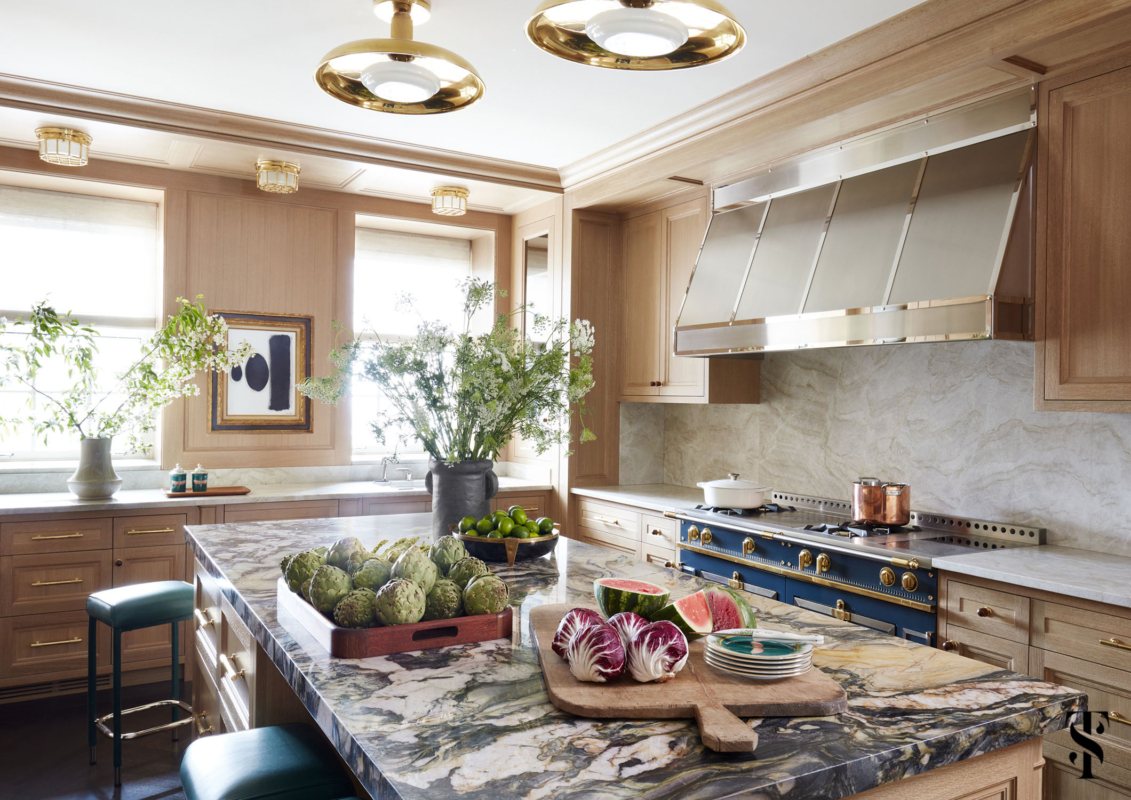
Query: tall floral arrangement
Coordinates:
[464,395]
[191,341]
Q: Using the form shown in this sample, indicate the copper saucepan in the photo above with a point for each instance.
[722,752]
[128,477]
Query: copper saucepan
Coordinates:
[877,503]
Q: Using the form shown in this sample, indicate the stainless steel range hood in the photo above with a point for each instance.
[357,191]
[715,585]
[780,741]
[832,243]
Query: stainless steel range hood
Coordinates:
[918,234]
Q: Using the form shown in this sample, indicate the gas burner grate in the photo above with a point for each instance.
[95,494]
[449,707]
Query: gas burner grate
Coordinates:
[862,529]
[768,508]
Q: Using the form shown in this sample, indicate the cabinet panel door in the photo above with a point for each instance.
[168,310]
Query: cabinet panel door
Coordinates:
[683,228]
[1108,689]
[41,584]
[142,565]
[1000,653]
[643,306]
[381,507]
[269,512]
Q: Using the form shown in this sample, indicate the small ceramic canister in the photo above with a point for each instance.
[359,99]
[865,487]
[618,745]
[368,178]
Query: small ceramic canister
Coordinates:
[177,479]
[199,479]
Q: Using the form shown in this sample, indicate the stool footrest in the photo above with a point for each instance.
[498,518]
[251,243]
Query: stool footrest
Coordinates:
[189,720]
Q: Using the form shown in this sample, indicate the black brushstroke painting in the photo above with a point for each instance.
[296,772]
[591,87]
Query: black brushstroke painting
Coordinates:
[237,373]
[279,347]
[257,372]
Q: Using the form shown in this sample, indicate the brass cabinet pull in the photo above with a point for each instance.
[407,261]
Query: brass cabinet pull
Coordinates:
[669,564]
[950,646]
[200,719]
[56,583]
[1115,716]
[985,611]
[229,668]
[155,530]
[607,521]
[76,640]
[202,620]
[656,532]
[1113,642]
[61,536]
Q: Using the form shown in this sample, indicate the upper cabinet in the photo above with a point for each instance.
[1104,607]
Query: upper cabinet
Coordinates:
[1084,245]
[660,249]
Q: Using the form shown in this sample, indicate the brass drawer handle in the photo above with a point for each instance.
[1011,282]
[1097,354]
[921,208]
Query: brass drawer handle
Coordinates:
[76,640]
[606,520]
[229,669]
[656,532]
[950,646]
[202,620]
[1115,716]
[61,536]
[200,729]
[56,583]
[155,530]
[1113,642]
[985,612]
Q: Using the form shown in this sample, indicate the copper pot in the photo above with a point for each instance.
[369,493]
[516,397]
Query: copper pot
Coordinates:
[867,500]
[897,504]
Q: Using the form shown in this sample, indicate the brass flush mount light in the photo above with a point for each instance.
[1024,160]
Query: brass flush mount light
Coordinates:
[637,34]
[449,201]
[280,177]
[399,75]
[64,146]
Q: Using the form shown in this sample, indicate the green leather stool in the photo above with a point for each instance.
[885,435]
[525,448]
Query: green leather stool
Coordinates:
[285,762]
[142,605]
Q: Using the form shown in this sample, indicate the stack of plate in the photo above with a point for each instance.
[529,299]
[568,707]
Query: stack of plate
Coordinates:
[738,654]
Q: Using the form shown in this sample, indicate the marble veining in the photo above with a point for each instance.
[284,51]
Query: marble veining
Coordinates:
[641,443]
[657,497]
[474,721]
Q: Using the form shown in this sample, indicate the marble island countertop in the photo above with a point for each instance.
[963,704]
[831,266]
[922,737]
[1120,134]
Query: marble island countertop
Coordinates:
[56,502]
[474,721]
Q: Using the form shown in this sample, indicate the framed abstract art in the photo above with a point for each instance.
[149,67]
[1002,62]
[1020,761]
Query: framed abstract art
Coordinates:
[259,396]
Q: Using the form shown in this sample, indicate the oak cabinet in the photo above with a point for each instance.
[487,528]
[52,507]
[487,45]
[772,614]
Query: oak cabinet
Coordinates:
[1000,653]
[643,308]
[143,565]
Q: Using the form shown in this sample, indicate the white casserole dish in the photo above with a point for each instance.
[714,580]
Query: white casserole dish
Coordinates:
[733,493]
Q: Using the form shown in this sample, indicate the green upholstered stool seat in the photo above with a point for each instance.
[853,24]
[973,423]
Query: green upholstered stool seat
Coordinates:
[286,762]
[142,605]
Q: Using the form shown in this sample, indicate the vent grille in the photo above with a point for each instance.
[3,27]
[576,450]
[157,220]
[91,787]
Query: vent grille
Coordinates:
[36,691]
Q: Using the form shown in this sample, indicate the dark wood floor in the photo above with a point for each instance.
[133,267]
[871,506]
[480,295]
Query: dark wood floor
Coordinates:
[44,753]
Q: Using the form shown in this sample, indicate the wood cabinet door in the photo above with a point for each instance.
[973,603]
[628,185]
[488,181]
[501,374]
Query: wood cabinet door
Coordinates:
[682,227]
[142,565]
[997,652]
[1087,282]
[379,507]
[643,306]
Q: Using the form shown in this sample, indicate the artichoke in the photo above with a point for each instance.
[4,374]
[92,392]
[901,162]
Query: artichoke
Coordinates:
[301,568]
[304,590]
[321,550]
[465,569]
[446,552]
[358,609]
[342,550]
[286,562]
[398,549]
[443,602]
[414,566]
[327,588]
[400,602]
[356,560]
[373,574]
[487,594]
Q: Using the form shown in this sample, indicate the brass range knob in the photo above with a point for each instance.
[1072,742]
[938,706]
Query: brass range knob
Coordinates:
[909,581]
[707,536]
[693,533]
[747,546]
[824,563]
[805,559]
[887,576]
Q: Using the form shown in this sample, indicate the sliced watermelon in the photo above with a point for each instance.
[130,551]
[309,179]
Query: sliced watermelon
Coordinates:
[615,595]
[691,614]
[729,609]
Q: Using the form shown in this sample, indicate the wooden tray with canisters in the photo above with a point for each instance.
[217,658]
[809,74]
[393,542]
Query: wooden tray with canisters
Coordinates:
[219,491]
[370,642]
[714,699]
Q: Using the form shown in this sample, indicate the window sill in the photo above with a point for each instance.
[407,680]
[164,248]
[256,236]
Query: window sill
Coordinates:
[120,465]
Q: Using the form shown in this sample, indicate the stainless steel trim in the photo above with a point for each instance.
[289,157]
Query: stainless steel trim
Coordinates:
[906,228]
[859,619]
[750,262]
[746,587]
[926,636]
[695,266]
[1026,157]
[817,255]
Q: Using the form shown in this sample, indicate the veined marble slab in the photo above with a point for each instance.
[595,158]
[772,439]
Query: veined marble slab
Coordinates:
[55,502]
[658,497]
[474,722]
[1064,570]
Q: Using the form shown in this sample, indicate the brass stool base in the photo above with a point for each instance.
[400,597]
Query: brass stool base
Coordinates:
[101,721]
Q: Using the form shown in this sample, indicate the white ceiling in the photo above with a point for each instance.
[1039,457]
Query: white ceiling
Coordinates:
[257,57]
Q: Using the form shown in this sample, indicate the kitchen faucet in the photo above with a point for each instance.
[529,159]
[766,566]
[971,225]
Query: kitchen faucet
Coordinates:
[385,465]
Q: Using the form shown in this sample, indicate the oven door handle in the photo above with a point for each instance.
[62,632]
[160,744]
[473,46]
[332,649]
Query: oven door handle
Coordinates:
[848,551]
[746,587]
[843,614]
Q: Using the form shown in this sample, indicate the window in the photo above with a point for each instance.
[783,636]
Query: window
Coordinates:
[388,265]
[96,257]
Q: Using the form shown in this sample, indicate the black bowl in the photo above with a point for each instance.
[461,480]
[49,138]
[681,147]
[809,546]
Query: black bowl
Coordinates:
[509,550]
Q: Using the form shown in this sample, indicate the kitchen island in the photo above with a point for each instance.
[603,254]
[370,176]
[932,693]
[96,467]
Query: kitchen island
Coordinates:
[474,721]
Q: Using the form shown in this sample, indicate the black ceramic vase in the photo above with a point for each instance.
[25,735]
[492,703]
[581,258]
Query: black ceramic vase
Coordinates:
[459,490]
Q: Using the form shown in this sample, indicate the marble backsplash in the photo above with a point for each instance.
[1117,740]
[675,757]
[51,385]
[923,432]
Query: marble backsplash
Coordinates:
[955,420]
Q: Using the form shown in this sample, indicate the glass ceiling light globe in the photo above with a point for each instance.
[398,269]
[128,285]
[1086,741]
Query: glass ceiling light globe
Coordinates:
[637,32]
[400,81]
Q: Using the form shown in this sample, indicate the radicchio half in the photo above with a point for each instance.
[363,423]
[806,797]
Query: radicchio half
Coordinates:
[596,654]
[628,625]
[574,620]
[657,653]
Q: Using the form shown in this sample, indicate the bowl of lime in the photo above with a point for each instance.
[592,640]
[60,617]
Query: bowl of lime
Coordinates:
[508,536]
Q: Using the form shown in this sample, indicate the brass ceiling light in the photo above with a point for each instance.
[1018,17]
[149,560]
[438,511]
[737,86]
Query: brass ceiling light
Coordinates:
[637,34]
[399,75]
[449,201]
[64,146]
[280,177]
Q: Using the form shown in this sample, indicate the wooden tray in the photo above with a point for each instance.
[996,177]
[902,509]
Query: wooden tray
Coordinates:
[714,699]
[219,491]
[369,642]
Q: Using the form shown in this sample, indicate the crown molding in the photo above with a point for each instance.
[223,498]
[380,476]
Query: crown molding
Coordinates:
[138,112]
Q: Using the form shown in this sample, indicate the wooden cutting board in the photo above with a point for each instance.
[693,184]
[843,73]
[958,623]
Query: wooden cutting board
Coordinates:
[714,699]
[217,491]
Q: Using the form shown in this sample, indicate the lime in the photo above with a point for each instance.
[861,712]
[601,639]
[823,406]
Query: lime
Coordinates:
[485,525]
[498,517]
[506,526]
[531,526]
[494,535]
[523,533]
[518,514]
[471,532]
[466,524]
[545,526]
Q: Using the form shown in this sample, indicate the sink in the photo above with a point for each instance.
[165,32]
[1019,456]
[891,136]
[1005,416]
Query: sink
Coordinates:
[401,486]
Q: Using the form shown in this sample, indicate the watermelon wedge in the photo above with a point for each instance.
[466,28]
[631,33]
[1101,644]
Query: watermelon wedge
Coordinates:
[691,614]
[615,595]
[729,609]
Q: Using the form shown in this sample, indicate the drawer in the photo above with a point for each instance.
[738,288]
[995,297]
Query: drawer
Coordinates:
[269,512]
[378,507]
[1101,638]
[206,618]
[55,536]
[206,700]
[1000,653]
[44,643]
[149,531]
[533,505]
[236,674]
[609,518]
[41,584]
[610,541]
[1108,690]
[657,556]
[659,531]
[1111,778]
[988,611]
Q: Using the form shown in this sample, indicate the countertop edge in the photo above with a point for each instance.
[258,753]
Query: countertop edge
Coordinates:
[625,496]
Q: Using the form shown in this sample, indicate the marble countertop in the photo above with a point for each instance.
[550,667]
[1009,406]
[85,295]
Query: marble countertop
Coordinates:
[653,496]
[1064,570]
[474,721]
[56,502]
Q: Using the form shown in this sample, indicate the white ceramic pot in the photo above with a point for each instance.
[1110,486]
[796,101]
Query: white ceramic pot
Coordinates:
[733,493]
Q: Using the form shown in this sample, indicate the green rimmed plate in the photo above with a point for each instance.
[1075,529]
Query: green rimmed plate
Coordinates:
[744,646]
